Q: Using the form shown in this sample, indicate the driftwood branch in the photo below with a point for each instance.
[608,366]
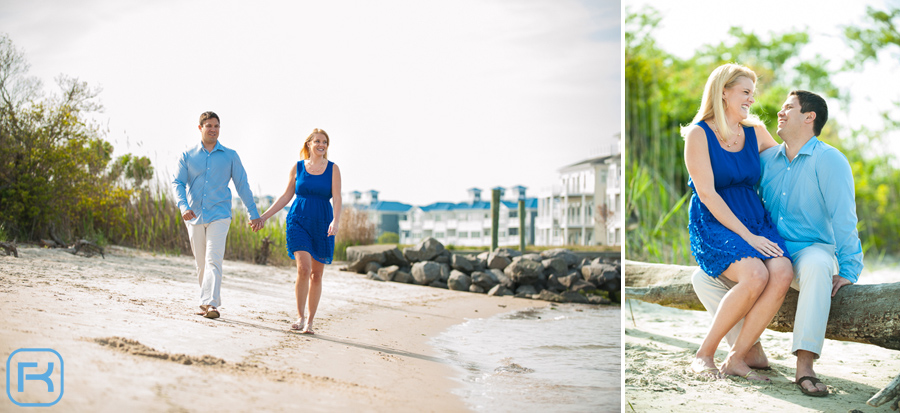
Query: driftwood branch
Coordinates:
[867,314]
[89,249]
[10,248]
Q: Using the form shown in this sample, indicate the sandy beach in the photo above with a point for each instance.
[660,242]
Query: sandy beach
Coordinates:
[660,342]
[126,329]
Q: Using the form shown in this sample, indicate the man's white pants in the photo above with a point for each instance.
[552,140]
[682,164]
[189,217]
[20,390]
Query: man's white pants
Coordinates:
[814,267]
[208,245]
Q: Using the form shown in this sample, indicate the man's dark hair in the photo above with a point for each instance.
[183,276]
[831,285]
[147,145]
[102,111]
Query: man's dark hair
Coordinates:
[208,114]
[811,102]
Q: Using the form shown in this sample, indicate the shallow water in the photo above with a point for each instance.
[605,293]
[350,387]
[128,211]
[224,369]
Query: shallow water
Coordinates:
[563,359]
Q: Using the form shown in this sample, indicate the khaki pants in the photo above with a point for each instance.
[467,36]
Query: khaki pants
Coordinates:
[208,245]
[814,267]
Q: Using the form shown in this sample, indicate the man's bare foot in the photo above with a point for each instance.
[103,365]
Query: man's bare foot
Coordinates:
[733,367]
[756,358]
[705,367]
[805,369]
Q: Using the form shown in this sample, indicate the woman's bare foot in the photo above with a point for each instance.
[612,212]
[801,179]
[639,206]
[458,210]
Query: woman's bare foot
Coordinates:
[705,366]
[299,325]
[756,358]
[733,367]
[309,328]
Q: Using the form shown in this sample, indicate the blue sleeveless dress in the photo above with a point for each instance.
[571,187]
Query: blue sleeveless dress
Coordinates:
[310,215]
[735,174]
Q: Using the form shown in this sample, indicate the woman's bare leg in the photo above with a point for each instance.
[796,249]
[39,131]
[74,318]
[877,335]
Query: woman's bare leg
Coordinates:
[751,277]
[760,315]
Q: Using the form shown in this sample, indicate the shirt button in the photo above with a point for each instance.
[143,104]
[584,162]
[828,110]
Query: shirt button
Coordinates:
[781,218]
[789,168]
[784,193]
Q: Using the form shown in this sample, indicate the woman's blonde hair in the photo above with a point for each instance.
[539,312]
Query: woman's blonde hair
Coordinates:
[712,105]
[304,152]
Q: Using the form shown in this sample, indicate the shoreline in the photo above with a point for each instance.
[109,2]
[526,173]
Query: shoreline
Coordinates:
[372,351]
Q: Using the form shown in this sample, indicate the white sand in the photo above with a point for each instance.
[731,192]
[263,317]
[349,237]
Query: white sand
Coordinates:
[659,349]
[371,352]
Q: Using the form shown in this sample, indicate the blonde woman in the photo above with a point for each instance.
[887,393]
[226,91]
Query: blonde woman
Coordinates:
[312,222]
[732,237]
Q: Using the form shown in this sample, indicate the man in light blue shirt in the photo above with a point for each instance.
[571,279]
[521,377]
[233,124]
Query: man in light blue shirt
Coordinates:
[807,187]
[201,191]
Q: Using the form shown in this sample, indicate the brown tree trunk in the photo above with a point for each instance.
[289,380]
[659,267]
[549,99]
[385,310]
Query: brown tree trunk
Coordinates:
[861,313]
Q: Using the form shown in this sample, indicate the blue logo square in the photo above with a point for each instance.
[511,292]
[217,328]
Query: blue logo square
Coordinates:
[37,372]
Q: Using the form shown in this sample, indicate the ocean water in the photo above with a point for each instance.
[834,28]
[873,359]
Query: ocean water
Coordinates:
[566,358]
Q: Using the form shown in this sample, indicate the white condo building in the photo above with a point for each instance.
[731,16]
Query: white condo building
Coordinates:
[583,208]
[469,223]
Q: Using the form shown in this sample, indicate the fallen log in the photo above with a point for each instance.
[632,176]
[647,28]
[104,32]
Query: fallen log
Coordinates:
[868,313]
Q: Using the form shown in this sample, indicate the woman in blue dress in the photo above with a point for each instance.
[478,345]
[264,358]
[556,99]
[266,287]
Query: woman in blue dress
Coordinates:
[731,233]
[311,223]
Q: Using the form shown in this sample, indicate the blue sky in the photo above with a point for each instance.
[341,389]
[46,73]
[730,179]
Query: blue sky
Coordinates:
[422,100]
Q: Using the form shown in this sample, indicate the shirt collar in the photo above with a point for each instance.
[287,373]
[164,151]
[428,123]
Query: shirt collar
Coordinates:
[807,148]
[218,146]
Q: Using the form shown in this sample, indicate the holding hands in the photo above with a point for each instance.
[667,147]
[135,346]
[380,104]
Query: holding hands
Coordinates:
[257,224]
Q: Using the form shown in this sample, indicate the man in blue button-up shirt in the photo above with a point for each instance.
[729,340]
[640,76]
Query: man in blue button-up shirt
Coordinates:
[807,187]
[201,191]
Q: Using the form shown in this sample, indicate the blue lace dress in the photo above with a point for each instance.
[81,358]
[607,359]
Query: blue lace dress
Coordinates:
[735,173]
[310,215]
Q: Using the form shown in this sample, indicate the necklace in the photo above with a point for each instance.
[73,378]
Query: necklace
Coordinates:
[724,142]
[314,169]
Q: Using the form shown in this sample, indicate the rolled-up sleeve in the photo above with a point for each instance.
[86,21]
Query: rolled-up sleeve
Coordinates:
[179,184]
[241,184]
[836,182]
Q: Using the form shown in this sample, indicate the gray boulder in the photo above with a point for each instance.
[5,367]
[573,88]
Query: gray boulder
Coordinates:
[507,252]
[525,272]
[424,251]
[569,280]
[363,258]
[393,256]
[499,290]
[551,296]
[476,289]
[502,278]
[485,280]
[373,276]
[445,272]
[562,253]
[581,286]
[443,258]
[372,267]
[459,281]
[361,255]
[462,263]
[533,256]
[525,291]
[498,262]
[598,299]
[387,273]
[554,285]
[403,277]
[438,284]
[573,297]
[555,266]
[599,274]
[426,272]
